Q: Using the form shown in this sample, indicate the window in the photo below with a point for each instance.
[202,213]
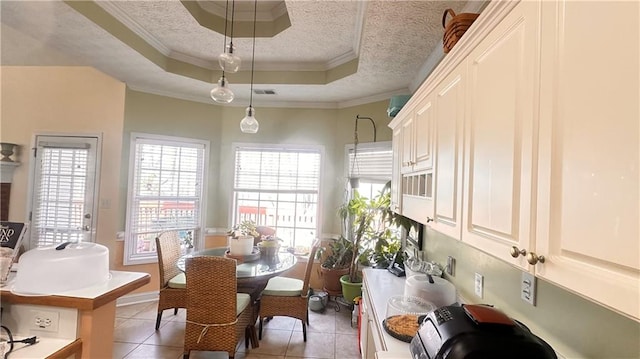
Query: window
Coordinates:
[64,190]
[371,164]
[279,187]
[166,191]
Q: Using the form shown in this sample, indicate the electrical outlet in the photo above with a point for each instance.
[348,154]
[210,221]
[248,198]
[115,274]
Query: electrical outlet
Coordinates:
[451,266]
[528,288]
[479,285]
[44,320]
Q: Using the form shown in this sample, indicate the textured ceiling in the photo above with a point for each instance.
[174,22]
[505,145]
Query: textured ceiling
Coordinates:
[312,53]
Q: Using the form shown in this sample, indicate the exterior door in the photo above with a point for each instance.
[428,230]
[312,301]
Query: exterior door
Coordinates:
[64,192]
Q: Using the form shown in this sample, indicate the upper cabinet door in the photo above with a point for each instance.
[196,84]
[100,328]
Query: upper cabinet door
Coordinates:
[396,176]
[449,125]
[503,83]
[423,127]
[587,222]
[408,144]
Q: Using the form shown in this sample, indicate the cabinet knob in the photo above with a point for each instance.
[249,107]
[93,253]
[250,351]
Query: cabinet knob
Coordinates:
[533,258]
[429,219]
[515,252]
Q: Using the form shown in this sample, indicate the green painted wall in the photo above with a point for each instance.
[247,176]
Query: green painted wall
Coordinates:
[572,325]
[331,128]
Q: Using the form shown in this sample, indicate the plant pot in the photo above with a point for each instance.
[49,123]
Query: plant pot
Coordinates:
[268,251]
[331,279]
[350,290]
[241,246]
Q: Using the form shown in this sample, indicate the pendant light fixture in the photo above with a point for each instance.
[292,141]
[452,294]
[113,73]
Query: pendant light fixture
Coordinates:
[249,124]
[229,62]
[222,93]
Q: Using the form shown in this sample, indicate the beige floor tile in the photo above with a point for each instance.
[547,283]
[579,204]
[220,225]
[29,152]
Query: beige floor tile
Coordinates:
[343,325]
[281,323]
[274,342]
[318,345]
[257,356]
[151,312]
[180,317]
[128,311]
[155,352]
[134,331]
[320,323]
[120,350]
[347,347]
[119,321]
[171,334]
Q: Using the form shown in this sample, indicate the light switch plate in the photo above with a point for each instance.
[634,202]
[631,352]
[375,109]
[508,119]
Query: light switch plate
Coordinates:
[528,288]
[479,284]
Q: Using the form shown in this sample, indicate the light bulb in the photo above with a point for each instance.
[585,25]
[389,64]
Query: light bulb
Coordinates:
[222,93]
[249,124]
[228,61]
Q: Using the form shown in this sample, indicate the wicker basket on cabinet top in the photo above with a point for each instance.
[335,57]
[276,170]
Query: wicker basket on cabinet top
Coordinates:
[455,28]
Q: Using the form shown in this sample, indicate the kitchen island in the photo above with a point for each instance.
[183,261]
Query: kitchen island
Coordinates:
[85,316]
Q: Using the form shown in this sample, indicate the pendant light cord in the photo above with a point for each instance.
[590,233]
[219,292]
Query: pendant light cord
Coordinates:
[226,13]
[253,52]
[233,14]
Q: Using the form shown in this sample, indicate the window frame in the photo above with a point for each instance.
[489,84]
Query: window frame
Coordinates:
[283,147]
[130,255]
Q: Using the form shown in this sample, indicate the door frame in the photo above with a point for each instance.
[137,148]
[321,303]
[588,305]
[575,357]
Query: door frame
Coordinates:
[96,180]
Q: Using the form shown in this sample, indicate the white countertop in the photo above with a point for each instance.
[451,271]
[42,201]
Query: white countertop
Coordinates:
[43,348]
[382,285]
[117,280]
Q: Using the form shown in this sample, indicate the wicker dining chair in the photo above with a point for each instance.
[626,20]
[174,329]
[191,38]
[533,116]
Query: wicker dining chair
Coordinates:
[217,316]
[288,297]
[173,293]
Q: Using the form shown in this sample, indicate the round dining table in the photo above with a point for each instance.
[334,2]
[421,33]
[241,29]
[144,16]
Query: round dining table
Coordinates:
[252,275]
[249,272]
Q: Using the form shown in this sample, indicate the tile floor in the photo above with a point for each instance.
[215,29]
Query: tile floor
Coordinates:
[329,335]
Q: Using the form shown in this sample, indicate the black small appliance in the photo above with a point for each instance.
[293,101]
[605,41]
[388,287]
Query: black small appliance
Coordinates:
[476,332]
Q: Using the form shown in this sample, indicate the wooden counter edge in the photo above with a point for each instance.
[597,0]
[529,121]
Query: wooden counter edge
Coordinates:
[75,302]
[73,348]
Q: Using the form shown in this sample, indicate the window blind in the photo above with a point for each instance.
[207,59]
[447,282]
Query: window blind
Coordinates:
[371,161]
[60,194]
[167,190]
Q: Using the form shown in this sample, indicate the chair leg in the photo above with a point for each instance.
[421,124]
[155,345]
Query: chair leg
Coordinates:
[158,318]
[260,330]
[185,355]
[175,311]
[304,331]
[246,337]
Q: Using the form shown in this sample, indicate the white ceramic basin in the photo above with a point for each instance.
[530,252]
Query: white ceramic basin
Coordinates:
[47,270]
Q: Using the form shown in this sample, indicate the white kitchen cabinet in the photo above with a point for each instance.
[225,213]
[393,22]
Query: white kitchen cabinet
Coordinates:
[396,176]
[378,285]
[500,135]
[588,193]
[450,100]
[417,134]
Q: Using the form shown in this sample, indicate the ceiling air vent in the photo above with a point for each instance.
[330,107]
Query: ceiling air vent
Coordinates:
[264,92]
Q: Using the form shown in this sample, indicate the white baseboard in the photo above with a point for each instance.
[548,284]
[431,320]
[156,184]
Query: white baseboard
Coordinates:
[145,297]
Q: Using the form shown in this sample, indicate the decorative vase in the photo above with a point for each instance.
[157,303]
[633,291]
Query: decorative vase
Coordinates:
[350,290]
[7,150]
[241,246]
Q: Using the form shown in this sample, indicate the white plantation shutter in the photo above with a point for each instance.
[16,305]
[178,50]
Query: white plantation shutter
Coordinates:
[370,161]
[60,192]
[166,192]
[279,186]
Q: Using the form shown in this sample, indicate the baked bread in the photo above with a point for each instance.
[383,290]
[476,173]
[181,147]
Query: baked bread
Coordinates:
[402,325]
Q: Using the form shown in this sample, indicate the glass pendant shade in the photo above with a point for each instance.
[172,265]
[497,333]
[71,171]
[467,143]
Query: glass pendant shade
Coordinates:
[249,124]
[228,61]
[222,93]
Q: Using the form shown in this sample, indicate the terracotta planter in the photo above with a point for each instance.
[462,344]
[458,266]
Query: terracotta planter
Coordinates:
[331,279]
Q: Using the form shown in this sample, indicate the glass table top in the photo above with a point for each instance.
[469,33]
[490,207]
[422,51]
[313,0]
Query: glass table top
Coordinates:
[262,267]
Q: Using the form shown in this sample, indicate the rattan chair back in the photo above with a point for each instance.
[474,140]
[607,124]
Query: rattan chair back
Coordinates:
[212,323]
[168,249]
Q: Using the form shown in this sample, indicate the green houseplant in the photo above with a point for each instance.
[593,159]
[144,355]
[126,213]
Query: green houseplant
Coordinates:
[374,231]
[336,258]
